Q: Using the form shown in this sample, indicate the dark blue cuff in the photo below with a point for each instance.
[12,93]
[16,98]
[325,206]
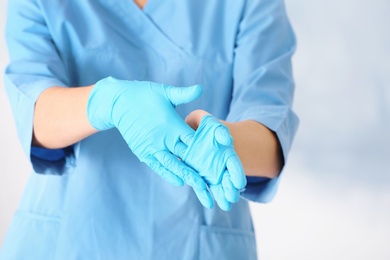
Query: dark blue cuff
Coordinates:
[256,180]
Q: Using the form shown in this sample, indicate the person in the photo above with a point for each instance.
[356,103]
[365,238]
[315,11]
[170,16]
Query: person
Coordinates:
[101,98]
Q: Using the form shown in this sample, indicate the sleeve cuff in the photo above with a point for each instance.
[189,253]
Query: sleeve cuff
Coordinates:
[284,123]
[22,97]
[262,192]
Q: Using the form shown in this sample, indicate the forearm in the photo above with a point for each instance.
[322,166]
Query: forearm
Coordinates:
[60,117]
[257,146]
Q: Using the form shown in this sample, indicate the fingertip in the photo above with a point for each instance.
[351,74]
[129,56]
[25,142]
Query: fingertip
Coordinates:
[232,196]
[198,89]
[244,183]
[219,197]
[205,198]
[231,193]
[209,203]
[236,171]
[240,182]
[182,95]
[226,207]
[222,135]
[178,182]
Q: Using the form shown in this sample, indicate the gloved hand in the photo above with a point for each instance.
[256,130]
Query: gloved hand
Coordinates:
[144,114]
[212,155]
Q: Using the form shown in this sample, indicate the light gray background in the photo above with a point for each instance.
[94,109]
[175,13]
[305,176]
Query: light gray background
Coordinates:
[334,200]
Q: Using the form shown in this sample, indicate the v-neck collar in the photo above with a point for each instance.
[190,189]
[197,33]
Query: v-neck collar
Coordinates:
[141,23]
[145,8]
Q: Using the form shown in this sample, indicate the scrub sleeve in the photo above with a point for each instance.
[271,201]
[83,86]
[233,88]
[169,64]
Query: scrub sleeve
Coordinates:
[263,84]
[35,66]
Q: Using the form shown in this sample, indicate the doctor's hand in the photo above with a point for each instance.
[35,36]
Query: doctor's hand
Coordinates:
[212,155]
[144,113]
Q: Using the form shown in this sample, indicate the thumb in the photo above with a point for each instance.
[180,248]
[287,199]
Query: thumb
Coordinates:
[222,135]
[182,95]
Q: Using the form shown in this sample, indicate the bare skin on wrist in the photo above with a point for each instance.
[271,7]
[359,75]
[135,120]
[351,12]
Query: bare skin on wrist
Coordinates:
[60,117]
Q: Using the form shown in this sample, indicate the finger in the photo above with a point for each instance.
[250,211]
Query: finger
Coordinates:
[187,139]
[164,173]
[182,95]
[187,174]
[236,171]
[219,197]
[222,135]
[179,149]
[205,198]
[231,193]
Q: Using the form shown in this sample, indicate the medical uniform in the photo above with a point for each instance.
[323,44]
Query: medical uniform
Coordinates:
[95,200]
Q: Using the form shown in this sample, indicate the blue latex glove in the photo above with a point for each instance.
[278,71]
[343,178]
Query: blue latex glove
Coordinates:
[144,113]
[212,155]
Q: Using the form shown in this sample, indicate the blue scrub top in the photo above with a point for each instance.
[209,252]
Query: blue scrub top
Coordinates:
[95,200]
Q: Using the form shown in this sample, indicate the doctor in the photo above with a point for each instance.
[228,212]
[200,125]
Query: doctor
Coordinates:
[99,90]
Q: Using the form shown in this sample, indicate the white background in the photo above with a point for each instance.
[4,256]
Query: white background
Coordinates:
[334,200]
